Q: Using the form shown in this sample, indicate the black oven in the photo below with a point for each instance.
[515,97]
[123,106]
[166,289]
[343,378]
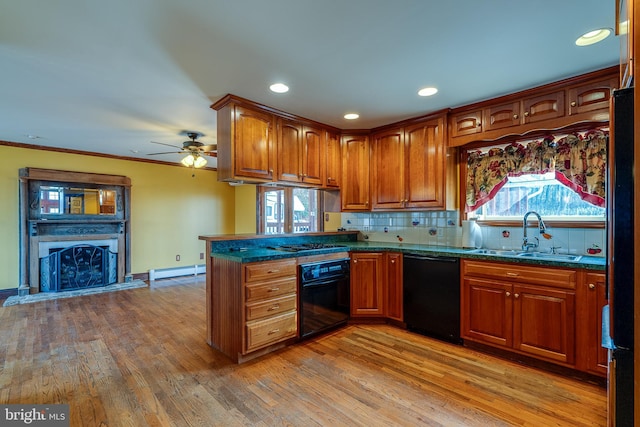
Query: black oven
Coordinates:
[324,296]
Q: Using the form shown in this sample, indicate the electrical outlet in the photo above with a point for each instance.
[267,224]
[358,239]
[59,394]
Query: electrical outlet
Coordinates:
[201,255]
[177,257]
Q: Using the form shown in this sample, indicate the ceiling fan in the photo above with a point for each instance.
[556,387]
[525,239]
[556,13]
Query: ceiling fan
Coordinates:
[194,150]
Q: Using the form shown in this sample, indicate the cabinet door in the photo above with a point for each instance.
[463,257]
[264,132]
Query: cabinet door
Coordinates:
[312,155]
[591,97]
[425,176]
[597,356]
[503,116]
[367,284]
[289,151]
[467,123]
[394,286]
[333,160]
[254,150]
[543,107]
[544,322]
[355,172]
[387,174]
[487,311]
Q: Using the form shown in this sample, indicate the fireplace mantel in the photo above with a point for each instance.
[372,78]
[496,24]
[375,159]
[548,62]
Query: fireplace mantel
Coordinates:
[87,219]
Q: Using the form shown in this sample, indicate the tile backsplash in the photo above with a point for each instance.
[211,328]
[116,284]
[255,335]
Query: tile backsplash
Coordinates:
[441,228]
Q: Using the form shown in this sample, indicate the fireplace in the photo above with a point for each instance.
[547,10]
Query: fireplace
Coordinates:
[78,266]
[74,229]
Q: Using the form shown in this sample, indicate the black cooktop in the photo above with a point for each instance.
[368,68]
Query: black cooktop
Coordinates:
[306,247]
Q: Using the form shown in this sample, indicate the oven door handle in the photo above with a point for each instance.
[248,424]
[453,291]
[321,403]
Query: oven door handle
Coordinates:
[324,283]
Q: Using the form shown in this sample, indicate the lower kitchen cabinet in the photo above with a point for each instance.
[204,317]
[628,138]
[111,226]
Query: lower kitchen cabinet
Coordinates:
[526,309]
[367,284]
[393,263]
[376,285]
[252,308]
[592,294]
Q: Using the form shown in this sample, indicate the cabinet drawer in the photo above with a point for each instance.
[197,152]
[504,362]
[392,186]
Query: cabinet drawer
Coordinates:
[267,270]
[256,291]
[548,276]
[270,307]
[271,330]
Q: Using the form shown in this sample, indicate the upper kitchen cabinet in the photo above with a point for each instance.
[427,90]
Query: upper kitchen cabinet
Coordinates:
[408,166]
[625,32]
[246,142]
[569,102]
[333,160]
[354,190]
[300,153]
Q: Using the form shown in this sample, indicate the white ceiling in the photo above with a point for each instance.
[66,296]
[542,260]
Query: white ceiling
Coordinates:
[111,76]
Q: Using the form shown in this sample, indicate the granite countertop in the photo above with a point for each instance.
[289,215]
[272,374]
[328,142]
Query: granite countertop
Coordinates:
[248,253]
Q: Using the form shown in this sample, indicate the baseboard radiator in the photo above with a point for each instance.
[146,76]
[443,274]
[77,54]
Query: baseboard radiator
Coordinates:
[163,273]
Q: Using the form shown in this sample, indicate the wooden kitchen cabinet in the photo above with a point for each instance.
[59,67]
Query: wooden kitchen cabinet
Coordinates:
[393,263]
[526,309]
[408,169]
[333,161]
[367,284]
[251,307]
[592,96]
[354,189]
[246,142]
[580,99]
[300,153]
[592,294]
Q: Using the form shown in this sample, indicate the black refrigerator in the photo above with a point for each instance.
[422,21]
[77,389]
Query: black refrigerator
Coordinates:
[618,316]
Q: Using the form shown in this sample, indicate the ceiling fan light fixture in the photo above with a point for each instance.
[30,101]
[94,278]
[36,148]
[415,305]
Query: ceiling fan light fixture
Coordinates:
[199,162]
[188,161]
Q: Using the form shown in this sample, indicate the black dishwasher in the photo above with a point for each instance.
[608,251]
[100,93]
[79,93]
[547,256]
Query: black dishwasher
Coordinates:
[431,296]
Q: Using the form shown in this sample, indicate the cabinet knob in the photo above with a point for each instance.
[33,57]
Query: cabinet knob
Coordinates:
[516,295]
[515,117]
[479,124]
[526,114]
[393,261]
[355,261]
[573,103]
[508,293]
[270,170]
[592,286]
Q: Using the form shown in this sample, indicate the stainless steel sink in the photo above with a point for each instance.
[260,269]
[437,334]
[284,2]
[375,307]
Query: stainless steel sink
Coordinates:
[494,252]
[533,255]
[550,257]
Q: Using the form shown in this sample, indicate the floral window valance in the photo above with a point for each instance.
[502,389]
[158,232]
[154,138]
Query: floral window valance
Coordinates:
[578,160]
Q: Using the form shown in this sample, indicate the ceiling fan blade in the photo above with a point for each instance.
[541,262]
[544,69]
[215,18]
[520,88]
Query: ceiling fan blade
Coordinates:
[168,145]
[209,148]
[166,152]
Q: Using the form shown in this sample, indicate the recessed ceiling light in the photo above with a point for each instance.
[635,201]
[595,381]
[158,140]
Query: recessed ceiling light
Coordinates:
[427,91]
[33,136]
[593,37]
[279,88]
[351,116]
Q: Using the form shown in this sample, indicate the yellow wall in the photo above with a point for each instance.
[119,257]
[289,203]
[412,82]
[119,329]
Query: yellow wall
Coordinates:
[169,207]
[246,209]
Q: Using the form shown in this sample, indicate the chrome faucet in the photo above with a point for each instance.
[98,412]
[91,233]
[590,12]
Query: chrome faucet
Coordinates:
[526,244]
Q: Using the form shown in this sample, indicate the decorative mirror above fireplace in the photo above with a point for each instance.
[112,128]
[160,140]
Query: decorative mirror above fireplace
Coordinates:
[74,229]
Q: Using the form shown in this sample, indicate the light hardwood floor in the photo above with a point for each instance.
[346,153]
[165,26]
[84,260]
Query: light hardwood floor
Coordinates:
[139,358]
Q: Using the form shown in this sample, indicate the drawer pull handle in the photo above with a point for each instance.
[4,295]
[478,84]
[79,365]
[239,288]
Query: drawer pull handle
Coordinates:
[274,307]
[512,274]
[274,289]
[273,271]
[274,331]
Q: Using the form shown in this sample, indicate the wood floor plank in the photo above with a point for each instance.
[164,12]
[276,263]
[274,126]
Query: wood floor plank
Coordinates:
[139,357]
